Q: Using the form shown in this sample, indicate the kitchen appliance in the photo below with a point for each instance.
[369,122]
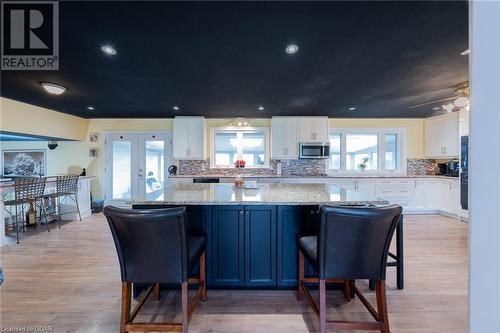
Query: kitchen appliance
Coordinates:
[206,180]
[449,169]
[464,172]
[443,168]
[172,170]
[452,168]
[314,150]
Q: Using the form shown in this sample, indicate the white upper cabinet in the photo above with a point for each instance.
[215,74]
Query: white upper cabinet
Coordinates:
[313,129]
[442,136]
[189,138]
[284,140]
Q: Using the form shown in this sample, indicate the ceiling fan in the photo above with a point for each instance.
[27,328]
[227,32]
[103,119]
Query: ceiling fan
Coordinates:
[460,100]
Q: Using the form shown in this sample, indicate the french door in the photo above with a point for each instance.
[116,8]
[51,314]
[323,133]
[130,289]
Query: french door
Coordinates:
[136,166]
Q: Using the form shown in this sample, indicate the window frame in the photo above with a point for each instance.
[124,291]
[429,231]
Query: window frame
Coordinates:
[239,149]
[380,132]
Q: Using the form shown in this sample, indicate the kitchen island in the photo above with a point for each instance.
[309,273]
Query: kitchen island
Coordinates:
[252,233]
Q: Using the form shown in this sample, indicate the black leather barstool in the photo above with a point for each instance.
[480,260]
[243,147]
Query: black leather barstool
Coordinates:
[154,247]
[353,243]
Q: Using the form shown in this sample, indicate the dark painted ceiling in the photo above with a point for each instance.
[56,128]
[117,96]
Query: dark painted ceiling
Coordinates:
[225,59]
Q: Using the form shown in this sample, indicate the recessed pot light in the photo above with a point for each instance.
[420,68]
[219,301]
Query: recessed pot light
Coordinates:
[176,108]
[108,49]
[466,52]
[352,108]
[260,108]
[91,108]
[53,88]
[292,48]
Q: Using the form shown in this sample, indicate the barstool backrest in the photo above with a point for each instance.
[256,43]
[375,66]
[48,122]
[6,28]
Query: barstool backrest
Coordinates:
[67,184]
[354,241]
[152,244]
[29,188]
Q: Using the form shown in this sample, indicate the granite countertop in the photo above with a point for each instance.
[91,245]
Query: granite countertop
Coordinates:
[321,177]
[265,194]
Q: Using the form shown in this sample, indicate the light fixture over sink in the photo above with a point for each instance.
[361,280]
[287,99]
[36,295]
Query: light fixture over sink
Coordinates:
[240,122]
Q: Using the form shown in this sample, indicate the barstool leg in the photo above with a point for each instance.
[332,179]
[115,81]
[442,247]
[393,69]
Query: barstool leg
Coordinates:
[185,306]
[42,208]
[322,305]
[17,227]
[382,305]
[78,207]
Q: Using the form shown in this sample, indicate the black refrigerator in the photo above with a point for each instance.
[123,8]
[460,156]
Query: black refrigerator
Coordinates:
[464,172]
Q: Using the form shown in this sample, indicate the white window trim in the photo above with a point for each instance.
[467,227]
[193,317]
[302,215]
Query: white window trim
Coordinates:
[231,129]
[401,148]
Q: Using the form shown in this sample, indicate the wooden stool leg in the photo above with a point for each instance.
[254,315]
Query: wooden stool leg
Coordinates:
[382,305]
[126,301]
[185,305]
[203,277]
[300,292]
[157,291]
[322,306]
[347,290]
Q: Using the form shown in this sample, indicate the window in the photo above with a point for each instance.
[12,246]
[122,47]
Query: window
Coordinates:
[373,150]
[248,145]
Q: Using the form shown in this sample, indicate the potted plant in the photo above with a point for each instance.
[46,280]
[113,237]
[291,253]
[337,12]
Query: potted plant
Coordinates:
[362,166]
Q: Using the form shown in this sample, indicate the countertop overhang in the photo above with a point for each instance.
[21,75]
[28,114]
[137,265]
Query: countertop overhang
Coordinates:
[265,194]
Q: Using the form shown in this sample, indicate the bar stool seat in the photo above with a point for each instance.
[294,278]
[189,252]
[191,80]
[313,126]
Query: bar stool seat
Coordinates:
[353,243]
[309,247]
[167,257]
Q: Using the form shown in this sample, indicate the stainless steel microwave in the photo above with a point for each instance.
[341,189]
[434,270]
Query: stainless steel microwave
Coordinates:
[314,150]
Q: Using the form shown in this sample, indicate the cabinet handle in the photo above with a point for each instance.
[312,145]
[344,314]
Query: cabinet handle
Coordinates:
[241,212]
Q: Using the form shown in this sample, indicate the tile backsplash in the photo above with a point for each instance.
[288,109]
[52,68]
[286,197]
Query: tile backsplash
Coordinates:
[419,166]
[296,167]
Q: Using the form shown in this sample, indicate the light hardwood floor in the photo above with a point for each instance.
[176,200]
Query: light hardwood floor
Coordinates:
[69,279]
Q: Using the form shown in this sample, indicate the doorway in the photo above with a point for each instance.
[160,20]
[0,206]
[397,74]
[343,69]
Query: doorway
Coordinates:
[135,166]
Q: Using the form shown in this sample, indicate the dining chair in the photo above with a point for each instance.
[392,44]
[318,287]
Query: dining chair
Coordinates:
[154,248]
[353,243]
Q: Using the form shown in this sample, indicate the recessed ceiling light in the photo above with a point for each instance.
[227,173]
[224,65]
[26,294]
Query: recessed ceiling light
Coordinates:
[53,88]
[91,108]
[466,52]
[260,108]
[352,108]
[292,48]
[175,107]
[108,49]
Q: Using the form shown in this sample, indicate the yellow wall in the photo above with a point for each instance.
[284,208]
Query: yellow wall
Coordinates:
[25,118]
[414,130]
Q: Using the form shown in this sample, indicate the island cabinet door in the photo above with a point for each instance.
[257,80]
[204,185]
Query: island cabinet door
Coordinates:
[228,239]
[260,245]
[293,222]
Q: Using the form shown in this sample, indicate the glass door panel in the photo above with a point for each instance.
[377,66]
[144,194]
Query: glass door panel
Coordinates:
[122,170]
[155,170]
